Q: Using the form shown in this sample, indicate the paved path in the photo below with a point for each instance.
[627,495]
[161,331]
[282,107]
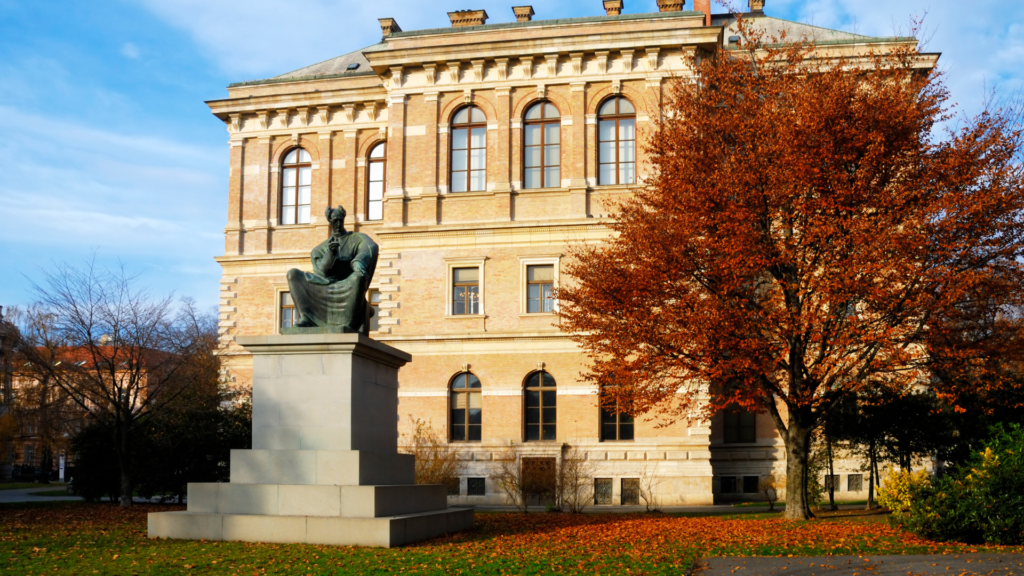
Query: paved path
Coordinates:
[24,495]
[928,564]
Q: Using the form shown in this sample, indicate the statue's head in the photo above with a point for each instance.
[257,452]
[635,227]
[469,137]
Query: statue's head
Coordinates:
[336,216]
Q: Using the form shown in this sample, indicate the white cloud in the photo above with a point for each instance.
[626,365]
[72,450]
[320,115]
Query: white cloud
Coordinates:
[982,41]
[263,38]
[69,188]
[129,50]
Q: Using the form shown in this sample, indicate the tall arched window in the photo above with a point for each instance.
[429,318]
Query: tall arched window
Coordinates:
[541,406]
[541,150]
[616,146]
[296,187]
[467,414]
[469,150]
[376,181]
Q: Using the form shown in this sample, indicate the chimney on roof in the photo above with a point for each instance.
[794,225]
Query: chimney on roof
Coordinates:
[705,7]
[462,18]
[757,6]
[388,26]
[523,13]
[613,7]
[670,5]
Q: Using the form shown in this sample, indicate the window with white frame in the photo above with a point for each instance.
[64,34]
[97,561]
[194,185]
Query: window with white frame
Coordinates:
[296,187]
[469,150]
[538,279]
[376,181]
[465,287]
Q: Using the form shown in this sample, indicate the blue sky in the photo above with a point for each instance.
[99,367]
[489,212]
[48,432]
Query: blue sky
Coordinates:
[108,148]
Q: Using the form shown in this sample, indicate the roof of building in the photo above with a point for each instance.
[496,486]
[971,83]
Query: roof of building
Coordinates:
[334,68]
[339,67]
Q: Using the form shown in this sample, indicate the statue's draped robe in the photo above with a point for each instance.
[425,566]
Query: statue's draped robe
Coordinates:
[333,297]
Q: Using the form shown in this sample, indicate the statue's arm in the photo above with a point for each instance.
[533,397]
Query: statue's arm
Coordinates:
[319,259]
[364,258]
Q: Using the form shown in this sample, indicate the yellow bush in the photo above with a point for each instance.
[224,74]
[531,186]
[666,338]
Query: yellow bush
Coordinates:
[897,488]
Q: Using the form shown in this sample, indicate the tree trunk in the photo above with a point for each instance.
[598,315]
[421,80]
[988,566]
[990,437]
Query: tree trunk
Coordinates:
[45,464]
[124,462]
[871,475]
[831,474]
[797,448]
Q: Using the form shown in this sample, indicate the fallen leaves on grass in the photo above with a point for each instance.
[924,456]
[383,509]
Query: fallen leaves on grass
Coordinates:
[111,540]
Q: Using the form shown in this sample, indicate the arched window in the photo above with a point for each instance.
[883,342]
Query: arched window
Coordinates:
[541,150]
[376,181]
[467,415]
[616,146]
[296,187]
[469,150]
[541,406]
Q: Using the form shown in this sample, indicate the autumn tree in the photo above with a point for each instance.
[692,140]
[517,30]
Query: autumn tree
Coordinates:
[118,352]
[809,229]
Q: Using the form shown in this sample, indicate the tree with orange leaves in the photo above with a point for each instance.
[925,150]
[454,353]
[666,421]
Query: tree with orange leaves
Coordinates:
[810,230]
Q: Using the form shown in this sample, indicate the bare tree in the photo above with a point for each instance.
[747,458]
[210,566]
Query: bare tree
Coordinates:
[437,461]
[650,482]
[576,469]
[120,353]
[510,478]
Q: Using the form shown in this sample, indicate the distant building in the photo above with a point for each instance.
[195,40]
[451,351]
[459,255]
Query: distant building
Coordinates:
[475,155]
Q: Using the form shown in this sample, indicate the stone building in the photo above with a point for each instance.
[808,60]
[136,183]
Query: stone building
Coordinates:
[475,155]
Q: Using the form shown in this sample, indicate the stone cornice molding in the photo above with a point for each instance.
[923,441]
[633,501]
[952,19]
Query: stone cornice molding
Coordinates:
[621,40]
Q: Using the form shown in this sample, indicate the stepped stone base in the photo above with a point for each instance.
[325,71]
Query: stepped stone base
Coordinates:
[385,532]
[325,467]
[310,500]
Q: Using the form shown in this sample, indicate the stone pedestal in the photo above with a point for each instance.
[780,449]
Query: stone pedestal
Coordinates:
[325,467]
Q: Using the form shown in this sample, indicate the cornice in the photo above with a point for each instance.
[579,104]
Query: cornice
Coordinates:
[489,49]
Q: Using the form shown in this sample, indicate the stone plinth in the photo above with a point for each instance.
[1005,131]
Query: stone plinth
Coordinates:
[325,467]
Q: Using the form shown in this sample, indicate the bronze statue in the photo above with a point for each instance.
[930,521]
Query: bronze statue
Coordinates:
[332,298]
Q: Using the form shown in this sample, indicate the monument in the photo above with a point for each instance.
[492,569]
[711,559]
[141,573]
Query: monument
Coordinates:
[324,466]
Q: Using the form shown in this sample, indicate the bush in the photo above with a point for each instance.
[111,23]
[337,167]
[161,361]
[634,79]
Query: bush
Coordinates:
[981,501]
[190,440]
[899,486]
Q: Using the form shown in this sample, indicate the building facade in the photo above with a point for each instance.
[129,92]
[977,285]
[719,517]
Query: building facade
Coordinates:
[476,156]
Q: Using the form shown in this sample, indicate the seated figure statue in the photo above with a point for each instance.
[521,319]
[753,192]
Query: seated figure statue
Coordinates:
[333,296]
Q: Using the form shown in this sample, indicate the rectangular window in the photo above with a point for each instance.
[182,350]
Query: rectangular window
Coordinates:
[465,291]
[476,487]
[854,482]
[603,491]
[616,425]
[630,495]
[833,482]
[287,310]
[540,282]
[728,485]
[374,301]
[740,426]
[750,484]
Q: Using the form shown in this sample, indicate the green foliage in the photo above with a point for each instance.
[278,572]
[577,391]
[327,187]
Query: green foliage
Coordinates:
[898,488]
[189,441]
[981,501]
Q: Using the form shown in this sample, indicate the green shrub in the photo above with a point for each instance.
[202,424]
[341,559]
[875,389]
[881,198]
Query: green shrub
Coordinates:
[981,501]
[898,488]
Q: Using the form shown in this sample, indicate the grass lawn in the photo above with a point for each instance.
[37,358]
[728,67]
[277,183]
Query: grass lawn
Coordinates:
[58,491]
[80,538]
[23,485]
